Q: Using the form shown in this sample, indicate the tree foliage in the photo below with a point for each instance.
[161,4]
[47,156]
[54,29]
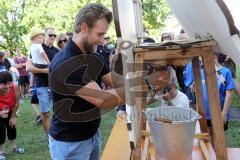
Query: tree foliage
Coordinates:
[12,30]
[19,17]
[155,13]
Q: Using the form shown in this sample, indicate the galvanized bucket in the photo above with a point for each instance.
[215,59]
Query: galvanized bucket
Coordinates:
[172,130]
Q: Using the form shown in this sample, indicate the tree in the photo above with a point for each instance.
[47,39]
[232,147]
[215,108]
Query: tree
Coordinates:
[155,12]
[11,15]
[19,17]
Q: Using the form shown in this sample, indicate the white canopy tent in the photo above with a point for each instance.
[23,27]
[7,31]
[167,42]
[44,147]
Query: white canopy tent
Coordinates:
[206,17]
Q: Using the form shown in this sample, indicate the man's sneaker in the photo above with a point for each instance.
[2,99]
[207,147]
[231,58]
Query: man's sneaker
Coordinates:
[38,120]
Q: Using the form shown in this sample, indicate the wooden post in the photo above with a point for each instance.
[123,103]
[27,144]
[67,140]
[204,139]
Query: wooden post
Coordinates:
[214,106]
[127,62]
[139,60]
[199,94]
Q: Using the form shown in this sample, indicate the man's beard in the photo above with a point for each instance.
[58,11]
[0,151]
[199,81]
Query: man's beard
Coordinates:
[89,47]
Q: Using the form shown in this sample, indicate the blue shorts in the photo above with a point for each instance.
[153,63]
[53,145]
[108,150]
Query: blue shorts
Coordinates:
[88,149]
[44,96]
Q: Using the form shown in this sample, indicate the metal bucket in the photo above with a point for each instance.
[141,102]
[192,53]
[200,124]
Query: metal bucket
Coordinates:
[173,134]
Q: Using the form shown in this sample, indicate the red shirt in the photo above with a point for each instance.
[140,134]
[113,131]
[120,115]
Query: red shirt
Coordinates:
[8,99]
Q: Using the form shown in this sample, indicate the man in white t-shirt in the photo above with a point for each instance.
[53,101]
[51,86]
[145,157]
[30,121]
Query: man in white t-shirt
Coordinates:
[174,97]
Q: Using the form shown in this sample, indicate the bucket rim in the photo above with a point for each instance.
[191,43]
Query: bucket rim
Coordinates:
[173,122]
[193,119]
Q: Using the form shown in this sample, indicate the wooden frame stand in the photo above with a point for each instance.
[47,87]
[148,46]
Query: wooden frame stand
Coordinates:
[177,55]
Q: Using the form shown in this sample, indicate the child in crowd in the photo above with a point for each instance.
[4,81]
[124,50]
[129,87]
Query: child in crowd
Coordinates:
[225,86]
[9,102]
[39,57]
[37,54]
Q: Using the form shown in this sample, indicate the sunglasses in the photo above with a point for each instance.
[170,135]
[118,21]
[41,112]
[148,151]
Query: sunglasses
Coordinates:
[166,37]
[52,35]
[64,40]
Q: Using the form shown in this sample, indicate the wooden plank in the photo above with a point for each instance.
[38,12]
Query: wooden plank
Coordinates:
[204,149]
[145,149]
[139,101]
[199,94]
[127,62]
[174,62]
[146,133]
[117,146]
[172,54]
[202,136]
[158,47]
[214,106]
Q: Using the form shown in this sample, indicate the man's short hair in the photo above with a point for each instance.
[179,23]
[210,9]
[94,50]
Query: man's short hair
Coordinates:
[5,77]
[89,14]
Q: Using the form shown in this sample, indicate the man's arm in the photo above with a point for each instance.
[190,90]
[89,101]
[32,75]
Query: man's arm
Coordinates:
[227,104]
[46,57]
[102,98]
[31,68]
[113,79]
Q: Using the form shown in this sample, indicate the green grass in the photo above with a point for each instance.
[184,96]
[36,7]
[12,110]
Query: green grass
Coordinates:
[233,134]
[236,99]
[34,140]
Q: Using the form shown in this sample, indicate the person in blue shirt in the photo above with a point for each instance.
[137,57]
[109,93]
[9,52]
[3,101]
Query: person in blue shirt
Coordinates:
[225,87]
[188,78]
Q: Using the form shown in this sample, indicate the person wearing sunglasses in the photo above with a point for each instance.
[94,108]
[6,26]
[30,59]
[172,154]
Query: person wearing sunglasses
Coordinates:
[166,37]
[62,41]
[41,77]
[48,47]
